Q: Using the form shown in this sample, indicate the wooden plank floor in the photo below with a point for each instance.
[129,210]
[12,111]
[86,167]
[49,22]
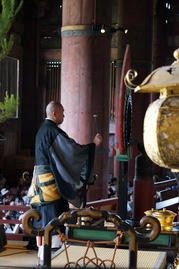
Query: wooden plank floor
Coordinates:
[15,255]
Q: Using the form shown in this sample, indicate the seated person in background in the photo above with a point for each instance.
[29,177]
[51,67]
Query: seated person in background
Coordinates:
[112,191]
[5,196]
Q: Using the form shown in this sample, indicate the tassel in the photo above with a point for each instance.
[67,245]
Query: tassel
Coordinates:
[39,238]
[39,244]
[113,151]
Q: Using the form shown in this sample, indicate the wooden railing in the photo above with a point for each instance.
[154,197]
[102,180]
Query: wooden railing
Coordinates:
[110,204]
[168,195]
[169,200]
[161,185]
[105,204]
[13,236]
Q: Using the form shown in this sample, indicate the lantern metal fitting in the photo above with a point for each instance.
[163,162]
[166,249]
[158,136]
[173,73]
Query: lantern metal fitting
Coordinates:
[161,121]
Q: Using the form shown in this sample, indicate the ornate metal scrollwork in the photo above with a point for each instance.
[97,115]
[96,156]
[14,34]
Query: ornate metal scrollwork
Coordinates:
[27,221]
[129,78]
[152,228]
[92,218]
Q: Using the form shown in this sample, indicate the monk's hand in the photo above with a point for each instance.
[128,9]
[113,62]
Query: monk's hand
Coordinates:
[98,140]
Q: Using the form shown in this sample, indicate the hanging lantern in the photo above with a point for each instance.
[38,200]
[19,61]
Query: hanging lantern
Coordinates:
[161,121]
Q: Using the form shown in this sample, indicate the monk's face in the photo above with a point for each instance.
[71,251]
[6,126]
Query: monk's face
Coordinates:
[59,114]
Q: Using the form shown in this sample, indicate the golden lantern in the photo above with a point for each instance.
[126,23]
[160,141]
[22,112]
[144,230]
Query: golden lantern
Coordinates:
[161,121]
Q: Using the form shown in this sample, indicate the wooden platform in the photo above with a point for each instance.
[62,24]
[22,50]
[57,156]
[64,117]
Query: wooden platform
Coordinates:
[16,255]
[145,260]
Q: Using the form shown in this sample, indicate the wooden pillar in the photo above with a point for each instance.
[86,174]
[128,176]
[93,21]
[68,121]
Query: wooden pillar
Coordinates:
[140,40]
[85,79]
[143,185]
[139,37]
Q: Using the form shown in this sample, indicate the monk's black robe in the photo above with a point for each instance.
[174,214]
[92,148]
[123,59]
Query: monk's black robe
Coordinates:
[70,163]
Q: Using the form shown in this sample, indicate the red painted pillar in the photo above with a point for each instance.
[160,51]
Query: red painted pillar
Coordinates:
[143,185]
[85,79]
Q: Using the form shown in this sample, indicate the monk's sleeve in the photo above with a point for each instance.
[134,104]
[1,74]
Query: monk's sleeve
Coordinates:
[70,162]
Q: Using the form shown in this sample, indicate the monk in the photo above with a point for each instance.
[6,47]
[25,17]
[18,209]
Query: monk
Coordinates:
[61,168]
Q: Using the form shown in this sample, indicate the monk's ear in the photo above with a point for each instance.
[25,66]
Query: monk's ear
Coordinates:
[54,114]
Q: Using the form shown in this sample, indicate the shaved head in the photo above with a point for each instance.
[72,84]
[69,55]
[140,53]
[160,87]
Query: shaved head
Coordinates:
[51,107]
[54,111]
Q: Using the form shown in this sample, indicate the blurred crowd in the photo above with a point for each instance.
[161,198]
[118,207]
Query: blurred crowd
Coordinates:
[14,196]
[113,192]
